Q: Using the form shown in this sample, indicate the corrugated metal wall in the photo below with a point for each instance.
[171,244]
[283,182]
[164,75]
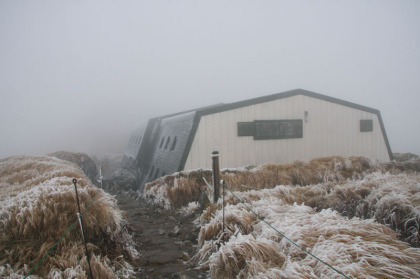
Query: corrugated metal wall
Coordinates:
[163,152]
[331,129]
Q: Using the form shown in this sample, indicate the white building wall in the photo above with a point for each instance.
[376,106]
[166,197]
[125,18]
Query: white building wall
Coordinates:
[332,129]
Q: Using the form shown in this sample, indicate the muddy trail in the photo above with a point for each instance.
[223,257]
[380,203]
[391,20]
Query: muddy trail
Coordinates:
[166,241]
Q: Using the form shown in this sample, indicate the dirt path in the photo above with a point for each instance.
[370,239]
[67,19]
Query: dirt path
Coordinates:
[166,240]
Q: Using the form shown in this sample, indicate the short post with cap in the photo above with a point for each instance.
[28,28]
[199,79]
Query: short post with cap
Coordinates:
[216,175]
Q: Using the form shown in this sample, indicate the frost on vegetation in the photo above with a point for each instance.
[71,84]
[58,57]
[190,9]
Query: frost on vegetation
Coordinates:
[37,206]
[390,199]
[6,271]
[353,186]
[358,248]
[159,196]
[190,209]
[177,190]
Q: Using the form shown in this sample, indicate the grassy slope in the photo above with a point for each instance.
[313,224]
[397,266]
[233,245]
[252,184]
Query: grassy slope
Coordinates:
[37,205]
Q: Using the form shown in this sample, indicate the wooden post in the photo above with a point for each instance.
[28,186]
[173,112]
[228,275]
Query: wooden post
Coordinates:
[216,175]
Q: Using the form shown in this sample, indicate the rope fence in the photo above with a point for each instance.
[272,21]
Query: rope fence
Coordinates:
[216,175]
[52,248]
[283,235]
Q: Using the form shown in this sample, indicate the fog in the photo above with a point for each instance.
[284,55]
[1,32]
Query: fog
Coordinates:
[81,75]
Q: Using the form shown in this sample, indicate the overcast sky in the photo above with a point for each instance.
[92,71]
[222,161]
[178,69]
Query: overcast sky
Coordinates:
[81,75]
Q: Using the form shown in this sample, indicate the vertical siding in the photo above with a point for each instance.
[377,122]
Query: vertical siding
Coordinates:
[278,114]
[314,129]
[224,141]
[258,150]
[240,146]
[251,144]
[331,129]
[341,144]
[230,152]
[202,143]
[242,141]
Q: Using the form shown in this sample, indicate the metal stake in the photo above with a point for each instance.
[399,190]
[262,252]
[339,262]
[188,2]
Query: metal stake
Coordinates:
[79,215]
[100,176]
[223,207]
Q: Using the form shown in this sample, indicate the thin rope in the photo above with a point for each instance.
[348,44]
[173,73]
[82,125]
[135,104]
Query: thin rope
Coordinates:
[52,248]
[61,238]
[207,184]
[291,241]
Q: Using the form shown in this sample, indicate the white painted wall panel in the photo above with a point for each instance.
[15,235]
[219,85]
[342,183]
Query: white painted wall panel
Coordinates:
[231,147]
[237,145]
[331,129]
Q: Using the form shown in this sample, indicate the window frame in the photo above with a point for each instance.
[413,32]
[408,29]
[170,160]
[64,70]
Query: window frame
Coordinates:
[286,129]
[283,133]
[366,125]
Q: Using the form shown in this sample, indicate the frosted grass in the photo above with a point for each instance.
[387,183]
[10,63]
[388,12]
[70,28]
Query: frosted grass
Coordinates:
[359,248]
[37,205]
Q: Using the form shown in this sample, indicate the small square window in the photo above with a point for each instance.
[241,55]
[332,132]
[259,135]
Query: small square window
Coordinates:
[366,125]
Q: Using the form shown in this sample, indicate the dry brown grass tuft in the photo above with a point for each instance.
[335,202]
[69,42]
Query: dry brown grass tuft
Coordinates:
[209,212]
[236,221]
[393,200]
[38,205]
[245,258]
[409,166]
[177,190]
[358,248]
[82,160]
[316,171]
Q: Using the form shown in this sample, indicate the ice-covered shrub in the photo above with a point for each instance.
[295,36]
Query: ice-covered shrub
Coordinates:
[179,189]
[302,173]
[82,160]
[393,200]
[355,247]
[37,206]
[190,209]
[236,220]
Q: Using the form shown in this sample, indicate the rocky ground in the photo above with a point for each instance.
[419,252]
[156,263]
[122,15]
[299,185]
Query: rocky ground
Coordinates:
[166,240]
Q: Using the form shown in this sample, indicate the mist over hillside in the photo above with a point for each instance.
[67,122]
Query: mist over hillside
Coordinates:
[75,75]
